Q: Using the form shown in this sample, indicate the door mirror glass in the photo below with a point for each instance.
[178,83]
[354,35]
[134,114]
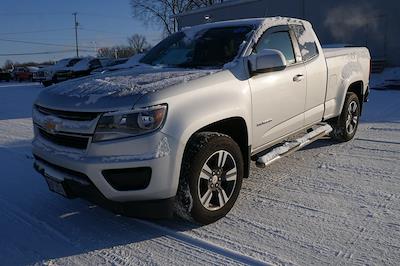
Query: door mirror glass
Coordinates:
[267,60]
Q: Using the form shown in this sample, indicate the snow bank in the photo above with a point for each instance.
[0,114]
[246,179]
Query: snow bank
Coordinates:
[390,77]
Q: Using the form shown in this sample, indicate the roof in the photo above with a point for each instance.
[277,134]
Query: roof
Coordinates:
[228,23]
[269,21]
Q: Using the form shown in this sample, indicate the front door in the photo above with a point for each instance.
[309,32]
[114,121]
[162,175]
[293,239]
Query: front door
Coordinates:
[278,97]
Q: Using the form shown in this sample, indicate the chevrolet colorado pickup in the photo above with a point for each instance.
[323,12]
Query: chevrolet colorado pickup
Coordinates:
[177,133]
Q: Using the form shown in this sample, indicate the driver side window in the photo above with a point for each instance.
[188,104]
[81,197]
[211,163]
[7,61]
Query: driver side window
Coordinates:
[280,41]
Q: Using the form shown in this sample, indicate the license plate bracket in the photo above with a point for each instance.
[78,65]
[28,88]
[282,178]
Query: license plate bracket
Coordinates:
[56,186]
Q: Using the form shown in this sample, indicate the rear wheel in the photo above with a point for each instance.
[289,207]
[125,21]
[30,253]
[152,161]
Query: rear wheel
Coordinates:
[212,174]
[347,123]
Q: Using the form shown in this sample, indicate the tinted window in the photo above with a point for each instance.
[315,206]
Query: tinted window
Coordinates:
[306,40]
[280,41]
[207,48]
[95,63]
[73,62]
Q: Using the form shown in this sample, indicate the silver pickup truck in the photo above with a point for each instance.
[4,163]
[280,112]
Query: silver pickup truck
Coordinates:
[177,133]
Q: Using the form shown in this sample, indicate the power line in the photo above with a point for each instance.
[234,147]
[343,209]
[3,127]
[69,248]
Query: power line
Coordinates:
[43,53]
[35,31]
[105,16]
[63,13]
[11,14]
[40,43]
[100,31]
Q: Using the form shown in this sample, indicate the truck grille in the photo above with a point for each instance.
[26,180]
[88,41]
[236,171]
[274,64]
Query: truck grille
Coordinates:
[39,74]
[76,116]
[77,142]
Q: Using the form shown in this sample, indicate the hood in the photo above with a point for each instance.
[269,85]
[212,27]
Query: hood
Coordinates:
[114,91]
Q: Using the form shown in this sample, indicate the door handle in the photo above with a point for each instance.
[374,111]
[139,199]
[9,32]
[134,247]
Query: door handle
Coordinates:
[298,78]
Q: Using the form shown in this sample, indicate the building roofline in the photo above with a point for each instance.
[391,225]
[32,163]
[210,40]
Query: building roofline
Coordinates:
[214,7]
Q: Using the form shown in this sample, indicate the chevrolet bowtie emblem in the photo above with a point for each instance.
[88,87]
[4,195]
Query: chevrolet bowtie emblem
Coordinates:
[50,126]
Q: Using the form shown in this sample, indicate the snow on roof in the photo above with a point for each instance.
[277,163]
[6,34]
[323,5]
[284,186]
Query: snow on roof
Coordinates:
[261,25]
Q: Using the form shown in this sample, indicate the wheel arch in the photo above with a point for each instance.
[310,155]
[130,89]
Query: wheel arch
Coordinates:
[357,88]
[236,128]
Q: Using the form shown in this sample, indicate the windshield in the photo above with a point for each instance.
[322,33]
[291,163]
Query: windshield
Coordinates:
[73,62]
[62,62]
[213,47]
[82,63]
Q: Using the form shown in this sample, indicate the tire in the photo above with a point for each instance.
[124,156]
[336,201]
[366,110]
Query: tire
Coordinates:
[212,173]
[47,83]
[346,125]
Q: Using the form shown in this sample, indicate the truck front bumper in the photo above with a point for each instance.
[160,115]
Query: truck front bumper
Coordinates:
[136,176]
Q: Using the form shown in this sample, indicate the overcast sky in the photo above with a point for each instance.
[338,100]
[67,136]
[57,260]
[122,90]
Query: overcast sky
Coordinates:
[102,23]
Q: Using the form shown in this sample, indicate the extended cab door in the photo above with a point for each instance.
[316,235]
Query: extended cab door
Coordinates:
[316,70]
[278,97]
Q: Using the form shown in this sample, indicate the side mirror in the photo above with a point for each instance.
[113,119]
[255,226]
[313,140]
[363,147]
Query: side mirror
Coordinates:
[268,60]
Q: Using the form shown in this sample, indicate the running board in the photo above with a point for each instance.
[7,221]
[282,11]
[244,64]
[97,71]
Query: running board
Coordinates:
[290,147]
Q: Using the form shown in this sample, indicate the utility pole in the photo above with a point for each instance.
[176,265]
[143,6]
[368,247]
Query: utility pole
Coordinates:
[76,34]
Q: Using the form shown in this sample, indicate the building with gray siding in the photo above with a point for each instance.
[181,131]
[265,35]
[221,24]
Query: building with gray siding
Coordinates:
[371,23]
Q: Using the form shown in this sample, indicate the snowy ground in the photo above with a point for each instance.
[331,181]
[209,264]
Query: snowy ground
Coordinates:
[327,204]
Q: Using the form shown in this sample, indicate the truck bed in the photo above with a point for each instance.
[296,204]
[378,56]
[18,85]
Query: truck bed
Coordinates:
[343,65]
[344,51]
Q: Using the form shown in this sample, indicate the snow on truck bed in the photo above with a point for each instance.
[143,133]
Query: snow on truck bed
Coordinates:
[345,51]
[326,204]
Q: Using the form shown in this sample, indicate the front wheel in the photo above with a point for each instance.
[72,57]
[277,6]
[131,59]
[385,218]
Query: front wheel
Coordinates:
[212,174]
[347,123]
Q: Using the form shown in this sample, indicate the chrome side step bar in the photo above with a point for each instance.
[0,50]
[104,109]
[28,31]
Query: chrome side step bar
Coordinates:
[290,147]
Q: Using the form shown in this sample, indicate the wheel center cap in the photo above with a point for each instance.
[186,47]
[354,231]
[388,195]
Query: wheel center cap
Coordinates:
[214,179]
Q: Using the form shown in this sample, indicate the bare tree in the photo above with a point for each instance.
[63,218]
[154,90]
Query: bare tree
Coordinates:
[116,52]
[138,43]
[8,64]
[163,12]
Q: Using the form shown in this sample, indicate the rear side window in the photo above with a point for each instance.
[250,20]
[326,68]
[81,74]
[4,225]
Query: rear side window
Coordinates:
[307,45]
[95,63]
[73,62]
[280,41]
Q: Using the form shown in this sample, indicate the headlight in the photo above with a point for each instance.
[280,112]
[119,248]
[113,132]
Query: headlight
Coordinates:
[132,123]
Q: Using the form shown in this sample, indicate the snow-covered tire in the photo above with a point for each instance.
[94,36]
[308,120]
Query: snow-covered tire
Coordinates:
[345,128]
[211,177]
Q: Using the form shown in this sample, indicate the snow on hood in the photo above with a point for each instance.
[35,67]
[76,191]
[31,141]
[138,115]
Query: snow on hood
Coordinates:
[115,89]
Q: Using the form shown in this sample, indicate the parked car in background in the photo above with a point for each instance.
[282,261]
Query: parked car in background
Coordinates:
[23,73]
[131,62]
[49,72]
[5,75]
[81,68]
[39,75]
[112,63]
